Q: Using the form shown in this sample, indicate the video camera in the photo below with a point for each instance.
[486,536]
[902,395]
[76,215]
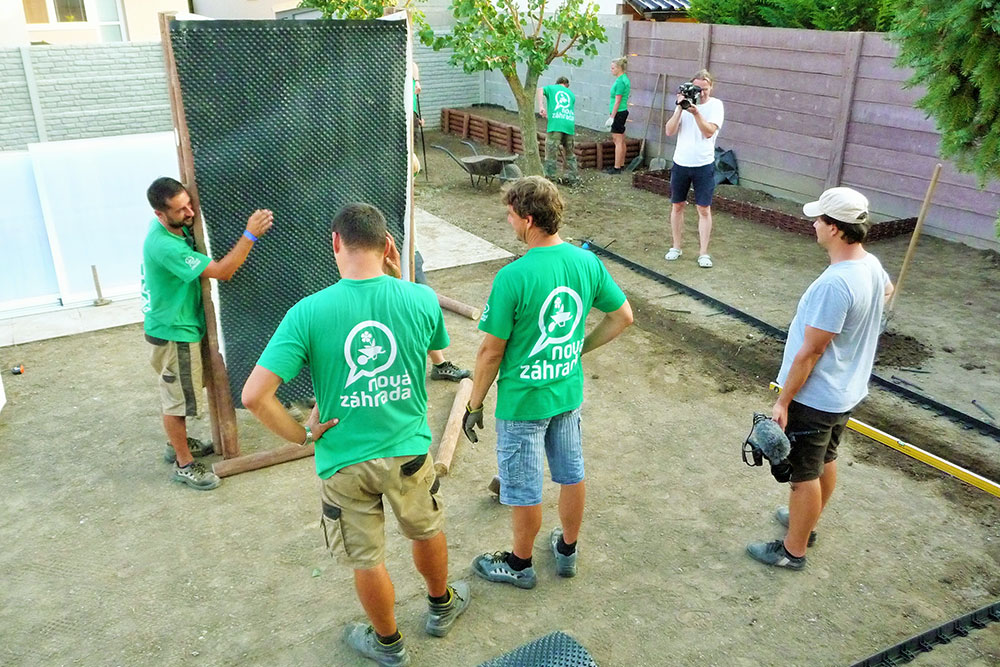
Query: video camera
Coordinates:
[691,94]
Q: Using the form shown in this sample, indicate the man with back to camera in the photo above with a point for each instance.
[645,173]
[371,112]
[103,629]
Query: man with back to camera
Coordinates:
[534,337]
[825,368]
[365,340]
[174,318]
[696,127]
[557,104]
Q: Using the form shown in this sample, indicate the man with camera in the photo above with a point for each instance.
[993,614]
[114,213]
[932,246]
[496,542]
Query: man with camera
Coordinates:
[696,121]
[826,365]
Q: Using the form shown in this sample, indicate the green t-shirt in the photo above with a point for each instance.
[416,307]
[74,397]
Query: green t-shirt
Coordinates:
[539,305]
[560,103]
[171,291]
[366,344]
[621,86]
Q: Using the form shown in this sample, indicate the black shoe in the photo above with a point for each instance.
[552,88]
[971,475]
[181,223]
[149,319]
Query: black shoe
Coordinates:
[449,371]
[614,170]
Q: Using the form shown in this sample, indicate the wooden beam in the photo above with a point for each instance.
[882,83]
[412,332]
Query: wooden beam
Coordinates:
[449,439]
[216,378]
[458,307]
[260,460]
[852,56]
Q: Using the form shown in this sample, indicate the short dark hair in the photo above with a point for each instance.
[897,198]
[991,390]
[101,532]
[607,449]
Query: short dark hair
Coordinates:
[539,198]
[562,81]
[360,226]
[854,232]
[163,189]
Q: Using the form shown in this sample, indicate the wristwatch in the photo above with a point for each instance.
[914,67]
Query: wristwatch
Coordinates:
[309,437]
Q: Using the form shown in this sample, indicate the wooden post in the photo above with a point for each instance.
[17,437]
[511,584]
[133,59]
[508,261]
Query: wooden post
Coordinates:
[259,460]
[220,403]
[851,58]
[705,47]
[458,307]
[913,238]
[446,446]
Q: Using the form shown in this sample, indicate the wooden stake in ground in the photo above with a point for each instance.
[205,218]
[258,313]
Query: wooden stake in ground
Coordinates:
[222,415]
[446,446]
[458,307]
[913,239]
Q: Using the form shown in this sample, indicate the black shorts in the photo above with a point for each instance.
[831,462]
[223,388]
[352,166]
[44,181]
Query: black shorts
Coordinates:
[814,436]
[618,125]
[703,179]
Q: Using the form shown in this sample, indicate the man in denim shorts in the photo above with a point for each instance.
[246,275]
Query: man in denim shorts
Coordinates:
[696,127]
[534,321]
[825,369]
[365,340]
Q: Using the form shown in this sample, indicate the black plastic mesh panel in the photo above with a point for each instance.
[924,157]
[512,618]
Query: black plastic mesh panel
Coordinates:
[553,650]
[300,117]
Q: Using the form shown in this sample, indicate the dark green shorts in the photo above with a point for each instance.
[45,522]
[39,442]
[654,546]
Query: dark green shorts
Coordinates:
[814,436]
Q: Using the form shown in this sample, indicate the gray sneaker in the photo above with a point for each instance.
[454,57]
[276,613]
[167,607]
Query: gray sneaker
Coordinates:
[441,617]
[773,553]
[197,447]
[781,514]
[449,371]
[197,476]
[565,565]
[494,485]
[494,567]
[361,638]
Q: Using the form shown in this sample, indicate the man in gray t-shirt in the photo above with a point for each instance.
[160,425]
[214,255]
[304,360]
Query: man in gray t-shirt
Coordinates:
[825,369]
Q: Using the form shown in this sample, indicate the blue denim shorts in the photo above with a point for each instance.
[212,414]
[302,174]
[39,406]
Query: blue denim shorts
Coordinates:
[702,178]
[520,445]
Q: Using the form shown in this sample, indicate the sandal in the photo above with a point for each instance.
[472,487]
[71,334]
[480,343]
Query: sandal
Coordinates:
[673,254]
[705,261]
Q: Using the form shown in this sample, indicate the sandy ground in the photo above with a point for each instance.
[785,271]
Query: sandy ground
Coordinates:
[105,562]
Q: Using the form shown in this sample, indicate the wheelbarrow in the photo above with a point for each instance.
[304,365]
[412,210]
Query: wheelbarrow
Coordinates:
[485,167]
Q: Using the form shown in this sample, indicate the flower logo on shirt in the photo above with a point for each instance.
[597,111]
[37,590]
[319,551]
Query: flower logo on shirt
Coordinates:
[558,318]
[370,348]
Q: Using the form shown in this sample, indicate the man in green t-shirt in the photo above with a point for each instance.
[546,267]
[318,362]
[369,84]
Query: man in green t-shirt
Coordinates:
[534,322]
[365,340]
[174,318]
[558,103]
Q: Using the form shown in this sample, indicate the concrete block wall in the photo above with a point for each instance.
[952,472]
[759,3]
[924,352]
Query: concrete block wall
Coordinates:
[591,82]
[17,119]
[101,90]
[444,85]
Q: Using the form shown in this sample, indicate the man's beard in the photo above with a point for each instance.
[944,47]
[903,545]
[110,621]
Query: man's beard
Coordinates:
[186,222]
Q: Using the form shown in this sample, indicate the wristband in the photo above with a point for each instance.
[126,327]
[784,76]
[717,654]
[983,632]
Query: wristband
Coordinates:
[246,233]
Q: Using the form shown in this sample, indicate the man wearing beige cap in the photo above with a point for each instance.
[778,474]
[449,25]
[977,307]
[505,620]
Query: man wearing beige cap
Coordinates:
[826,365]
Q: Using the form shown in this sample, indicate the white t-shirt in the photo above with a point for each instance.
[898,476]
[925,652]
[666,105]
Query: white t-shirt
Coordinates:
[693,149]
[847,300]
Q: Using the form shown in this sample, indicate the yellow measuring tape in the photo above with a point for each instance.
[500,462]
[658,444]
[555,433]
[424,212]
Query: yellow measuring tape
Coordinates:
[961,473]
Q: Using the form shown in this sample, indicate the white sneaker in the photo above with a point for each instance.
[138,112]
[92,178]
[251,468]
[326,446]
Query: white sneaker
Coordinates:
[705,261]
[673,254]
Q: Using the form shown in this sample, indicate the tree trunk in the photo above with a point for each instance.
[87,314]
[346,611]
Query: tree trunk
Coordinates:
[524,95]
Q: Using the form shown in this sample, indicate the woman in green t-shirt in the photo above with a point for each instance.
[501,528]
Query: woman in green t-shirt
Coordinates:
[618,112]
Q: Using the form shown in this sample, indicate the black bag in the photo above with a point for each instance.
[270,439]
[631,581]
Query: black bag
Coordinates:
[726,169]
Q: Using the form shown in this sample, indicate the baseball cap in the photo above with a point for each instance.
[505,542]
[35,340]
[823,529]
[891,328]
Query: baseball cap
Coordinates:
[842,204]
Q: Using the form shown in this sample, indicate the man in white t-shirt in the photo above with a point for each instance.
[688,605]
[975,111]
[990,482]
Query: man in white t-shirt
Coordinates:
[696,127]
[825,369]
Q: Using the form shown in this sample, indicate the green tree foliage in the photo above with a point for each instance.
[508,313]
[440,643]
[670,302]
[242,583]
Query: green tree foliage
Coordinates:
[869,15]
[496,36]
[360,9]
[954,50]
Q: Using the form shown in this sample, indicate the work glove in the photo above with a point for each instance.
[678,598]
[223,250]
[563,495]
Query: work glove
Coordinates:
[471,420]
[609,122]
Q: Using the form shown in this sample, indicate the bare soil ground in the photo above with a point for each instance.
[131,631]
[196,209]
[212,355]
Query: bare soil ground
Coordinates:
[105,562]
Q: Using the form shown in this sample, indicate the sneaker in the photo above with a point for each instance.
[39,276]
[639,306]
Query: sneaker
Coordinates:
[705,261]
[441,617]
[672,254]
[773,553]
[781,514]
[565,565]
[449,371]
[494,485]
[197,476]
[494,567]
[614,170]
[362,639]
[197,447]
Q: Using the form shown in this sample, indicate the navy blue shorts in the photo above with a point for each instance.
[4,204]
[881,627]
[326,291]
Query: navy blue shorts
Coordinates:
[703,179]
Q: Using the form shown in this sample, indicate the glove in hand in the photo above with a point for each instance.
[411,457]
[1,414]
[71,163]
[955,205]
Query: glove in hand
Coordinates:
[471,420]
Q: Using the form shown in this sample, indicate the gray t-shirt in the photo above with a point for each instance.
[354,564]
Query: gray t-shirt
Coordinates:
[847,300]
